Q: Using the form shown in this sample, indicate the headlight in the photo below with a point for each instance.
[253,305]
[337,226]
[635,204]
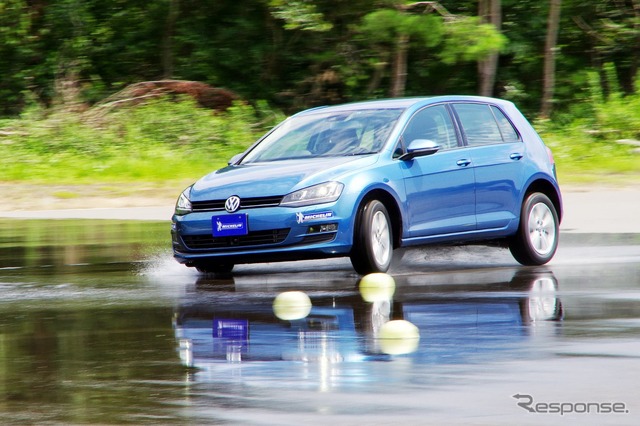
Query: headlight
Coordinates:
[322,193]
[183,206]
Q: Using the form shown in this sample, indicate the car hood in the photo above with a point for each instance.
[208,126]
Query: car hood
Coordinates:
[274,178]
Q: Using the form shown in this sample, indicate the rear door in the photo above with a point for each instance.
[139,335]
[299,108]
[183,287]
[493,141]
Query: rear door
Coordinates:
[497,150]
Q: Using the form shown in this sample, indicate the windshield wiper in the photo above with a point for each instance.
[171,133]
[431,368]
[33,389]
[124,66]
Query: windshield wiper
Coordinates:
[361,153]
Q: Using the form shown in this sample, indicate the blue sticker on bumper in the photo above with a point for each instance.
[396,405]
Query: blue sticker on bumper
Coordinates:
[229,225]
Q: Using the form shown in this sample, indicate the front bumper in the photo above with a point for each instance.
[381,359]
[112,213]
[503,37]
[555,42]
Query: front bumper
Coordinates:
[274,234]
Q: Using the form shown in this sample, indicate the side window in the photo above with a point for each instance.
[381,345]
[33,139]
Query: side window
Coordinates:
[478,123]
[433,123]
[509,134]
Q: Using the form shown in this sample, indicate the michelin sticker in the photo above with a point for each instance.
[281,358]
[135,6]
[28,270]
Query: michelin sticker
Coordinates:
[229,225]
[303,218]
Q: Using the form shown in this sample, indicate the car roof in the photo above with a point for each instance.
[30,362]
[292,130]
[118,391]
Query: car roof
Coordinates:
[402,103]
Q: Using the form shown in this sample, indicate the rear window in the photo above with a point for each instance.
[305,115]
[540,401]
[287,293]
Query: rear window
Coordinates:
[484,124]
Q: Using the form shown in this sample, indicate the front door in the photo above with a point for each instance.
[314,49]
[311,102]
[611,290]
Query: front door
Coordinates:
[440,187]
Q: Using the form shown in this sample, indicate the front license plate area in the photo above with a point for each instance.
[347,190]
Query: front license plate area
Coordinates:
[229,225]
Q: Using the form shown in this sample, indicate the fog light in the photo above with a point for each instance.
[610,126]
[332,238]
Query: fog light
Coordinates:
[325,227]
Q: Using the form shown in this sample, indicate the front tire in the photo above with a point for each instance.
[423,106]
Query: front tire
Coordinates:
[373,239]
[536,241]
[215,268]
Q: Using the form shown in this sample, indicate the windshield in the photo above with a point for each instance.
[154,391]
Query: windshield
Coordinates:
[326,134]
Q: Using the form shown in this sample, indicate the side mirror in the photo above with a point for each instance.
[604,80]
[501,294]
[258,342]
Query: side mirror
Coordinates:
[420,148]
[235,159]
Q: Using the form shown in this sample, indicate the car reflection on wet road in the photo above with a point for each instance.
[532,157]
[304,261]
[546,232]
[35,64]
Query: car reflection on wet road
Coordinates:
[99,325]
[342,326]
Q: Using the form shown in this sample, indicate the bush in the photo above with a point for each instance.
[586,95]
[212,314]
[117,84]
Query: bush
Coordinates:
[158,140]
[586,142]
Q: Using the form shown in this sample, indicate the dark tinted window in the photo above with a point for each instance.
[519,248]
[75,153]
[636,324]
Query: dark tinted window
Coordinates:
[509,134]
[433,123]
[478,123]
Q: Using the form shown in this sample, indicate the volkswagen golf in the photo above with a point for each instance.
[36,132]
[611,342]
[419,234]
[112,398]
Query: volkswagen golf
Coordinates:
[362,179]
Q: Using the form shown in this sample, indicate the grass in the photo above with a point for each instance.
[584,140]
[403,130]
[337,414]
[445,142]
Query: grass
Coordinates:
[156,142]
[167,144]
[66,195]
[587,158]
[158,165]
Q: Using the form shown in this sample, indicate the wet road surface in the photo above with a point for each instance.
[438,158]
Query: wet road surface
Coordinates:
[98,324]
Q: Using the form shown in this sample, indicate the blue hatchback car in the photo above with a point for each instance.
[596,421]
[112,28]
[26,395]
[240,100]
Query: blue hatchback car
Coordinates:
[363,179]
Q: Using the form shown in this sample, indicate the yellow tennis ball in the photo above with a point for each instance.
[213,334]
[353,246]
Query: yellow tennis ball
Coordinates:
[377,287]
[398,337]
[291,305]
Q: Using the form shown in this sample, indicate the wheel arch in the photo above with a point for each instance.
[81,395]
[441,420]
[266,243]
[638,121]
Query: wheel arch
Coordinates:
[548,189]
[390,203]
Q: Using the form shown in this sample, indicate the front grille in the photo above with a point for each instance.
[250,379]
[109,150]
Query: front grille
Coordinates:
[255,238]
[245,203]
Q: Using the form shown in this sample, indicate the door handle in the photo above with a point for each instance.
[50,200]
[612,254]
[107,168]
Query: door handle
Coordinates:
[463,163]
[515,156]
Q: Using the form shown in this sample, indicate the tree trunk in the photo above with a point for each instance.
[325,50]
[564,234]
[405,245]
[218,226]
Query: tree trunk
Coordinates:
[378,72]
[399,69]
[636,48]
[549,78]
[490,11]
[167,45]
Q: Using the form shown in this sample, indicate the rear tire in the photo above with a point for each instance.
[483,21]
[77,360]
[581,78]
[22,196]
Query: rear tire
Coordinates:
[373,239]
[536,241]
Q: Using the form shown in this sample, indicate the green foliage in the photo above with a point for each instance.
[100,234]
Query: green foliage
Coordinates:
[599,139]
[386,25]
[167,141]
[16,50]
[159,140]
[466,39]
[584,157]
[381,25]
[615,113]
[299,15]
[620,117]
[278,50]
[293,54]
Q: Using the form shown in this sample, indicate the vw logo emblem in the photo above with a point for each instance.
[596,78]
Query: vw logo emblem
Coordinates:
[232,204]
